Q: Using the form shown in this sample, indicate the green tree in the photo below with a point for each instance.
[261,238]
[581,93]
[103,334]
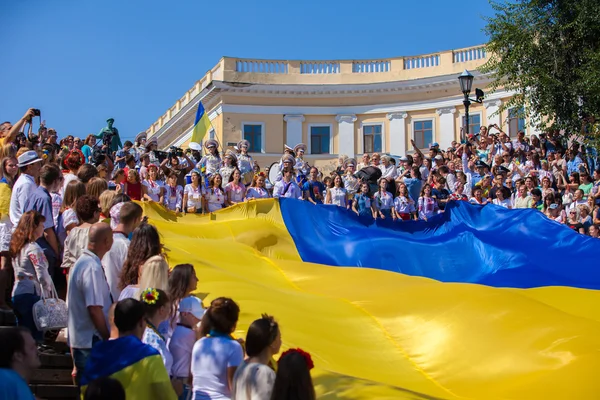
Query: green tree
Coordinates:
[548,53]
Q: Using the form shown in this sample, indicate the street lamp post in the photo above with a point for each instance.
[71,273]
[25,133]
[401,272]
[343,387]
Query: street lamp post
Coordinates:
[466,83]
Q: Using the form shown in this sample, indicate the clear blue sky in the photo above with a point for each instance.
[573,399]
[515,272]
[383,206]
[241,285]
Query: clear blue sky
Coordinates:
[82,61]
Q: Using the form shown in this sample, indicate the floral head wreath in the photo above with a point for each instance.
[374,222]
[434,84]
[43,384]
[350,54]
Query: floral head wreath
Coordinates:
[304,354]
[79,154]
[150,296]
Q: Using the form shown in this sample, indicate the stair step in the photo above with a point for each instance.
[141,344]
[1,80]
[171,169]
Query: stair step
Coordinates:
[56,361]
[55,392]
[52,376]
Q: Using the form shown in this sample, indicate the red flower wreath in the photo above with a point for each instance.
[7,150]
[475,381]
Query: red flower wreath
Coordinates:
[307,357]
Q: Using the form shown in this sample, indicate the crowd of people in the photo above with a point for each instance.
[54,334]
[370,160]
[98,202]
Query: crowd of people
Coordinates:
[69,227]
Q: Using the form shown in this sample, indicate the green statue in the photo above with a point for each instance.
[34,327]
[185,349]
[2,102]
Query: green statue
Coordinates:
[109,130]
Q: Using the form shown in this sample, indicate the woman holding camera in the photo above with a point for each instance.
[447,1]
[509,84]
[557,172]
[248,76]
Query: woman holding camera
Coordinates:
[173,164]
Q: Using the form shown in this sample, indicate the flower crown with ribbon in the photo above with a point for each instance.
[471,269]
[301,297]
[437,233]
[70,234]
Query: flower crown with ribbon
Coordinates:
[150,296]
[304,354]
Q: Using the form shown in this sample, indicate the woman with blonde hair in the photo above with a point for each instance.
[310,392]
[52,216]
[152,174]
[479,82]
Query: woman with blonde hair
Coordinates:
[96,186]
[153,273]
[106,200]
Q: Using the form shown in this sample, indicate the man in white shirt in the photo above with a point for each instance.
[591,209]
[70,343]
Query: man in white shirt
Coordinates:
[89,297]
[130,217]
[287,187]
[29,164]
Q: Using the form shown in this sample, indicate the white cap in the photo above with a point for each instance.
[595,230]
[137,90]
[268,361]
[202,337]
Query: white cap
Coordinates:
[195,146]
[192,305]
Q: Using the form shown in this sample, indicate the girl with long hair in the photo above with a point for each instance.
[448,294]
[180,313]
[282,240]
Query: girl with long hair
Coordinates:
[182,282]
[427,205]
[214,197]
[235,189]
[145,244]
[192,194]
[404,207]
[258,189]
[362,203]
[216,356]
[337,195]
[293,381]
[73,191]
[255,378]
[30,269]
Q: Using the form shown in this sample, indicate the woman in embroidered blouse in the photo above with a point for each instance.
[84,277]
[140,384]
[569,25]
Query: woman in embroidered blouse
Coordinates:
[427,205]
[154,187]
[384,201]
[30,269]
[173,194]
[362,204]
[258,189]
[214,197]
[235,189]
[337,195]
[404,206]
[192,194]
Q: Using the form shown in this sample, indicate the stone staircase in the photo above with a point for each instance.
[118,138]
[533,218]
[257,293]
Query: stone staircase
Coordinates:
[52,380]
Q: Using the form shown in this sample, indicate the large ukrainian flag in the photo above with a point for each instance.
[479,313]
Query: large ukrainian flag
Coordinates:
[201,124]
[434,310]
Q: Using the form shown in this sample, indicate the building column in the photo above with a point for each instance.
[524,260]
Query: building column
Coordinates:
[447,131]
[346,134]
[398,137]
[293,134]
[491,107]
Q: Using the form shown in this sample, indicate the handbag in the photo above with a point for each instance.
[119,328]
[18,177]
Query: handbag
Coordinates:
[50,313]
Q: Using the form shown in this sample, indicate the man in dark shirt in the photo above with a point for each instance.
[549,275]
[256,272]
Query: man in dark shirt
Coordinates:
[41,202]
[498,181]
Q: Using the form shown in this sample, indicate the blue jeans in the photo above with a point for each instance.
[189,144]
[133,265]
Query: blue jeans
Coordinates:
[187,392]
[23,308]
[80,358]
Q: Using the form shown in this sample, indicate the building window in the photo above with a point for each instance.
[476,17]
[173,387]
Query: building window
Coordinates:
[474,123]
[319,139]
[253,134]
[372,139]
[423,133]
[516,122]
[211,134]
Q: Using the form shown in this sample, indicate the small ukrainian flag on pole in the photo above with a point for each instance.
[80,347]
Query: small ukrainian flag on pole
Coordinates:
[201,125]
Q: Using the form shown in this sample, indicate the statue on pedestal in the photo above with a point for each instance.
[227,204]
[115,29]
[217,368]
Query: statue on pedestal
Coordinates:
[110,136]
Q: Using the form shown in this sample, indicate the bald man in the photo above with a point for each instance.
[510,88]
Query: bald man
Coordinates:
[89,297]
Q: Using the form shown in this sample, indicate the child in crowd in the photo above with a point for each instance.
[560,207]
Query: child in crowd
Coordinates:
[183,339]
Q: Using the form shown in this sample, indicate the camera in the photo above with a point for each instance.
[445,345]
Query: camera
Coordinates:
[36,112]
[174,150]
